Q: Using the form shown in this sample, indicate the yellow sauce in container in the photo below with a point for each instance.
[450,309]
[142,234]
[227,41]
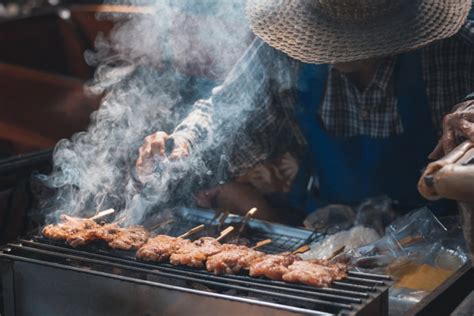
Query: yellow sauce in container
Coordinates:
[420,276]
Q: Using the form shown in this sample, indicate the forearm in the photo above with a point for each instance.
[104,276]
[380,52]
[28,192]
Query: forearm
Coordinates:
[197,126]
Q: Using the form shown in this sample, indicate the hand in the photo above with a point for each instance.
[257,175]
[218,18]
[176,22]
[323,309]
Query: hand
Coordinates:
[155,145]
[235,198]
[456,127]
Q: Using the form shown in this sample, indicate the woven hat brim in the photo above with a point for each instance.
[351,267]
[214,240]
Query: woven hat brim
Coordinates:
[299,30]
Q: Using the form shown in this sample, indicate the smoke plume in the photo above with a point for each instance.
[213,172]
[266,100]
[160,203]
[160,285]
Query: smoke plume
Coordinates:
[151,68]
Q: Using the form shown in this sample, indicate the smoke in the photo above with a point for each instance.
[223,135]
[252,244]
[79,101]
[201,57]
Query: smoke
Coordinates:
[151,68]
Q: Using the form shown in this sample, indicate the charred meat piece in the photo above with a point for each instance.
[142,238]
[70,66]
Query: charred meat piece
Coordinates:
[160,248]
[231,259]
[68,227]
[195,254]
[106,232]
[81,238]
[81,231]
[318,273]
[129,238]
[238,241]
[272,266]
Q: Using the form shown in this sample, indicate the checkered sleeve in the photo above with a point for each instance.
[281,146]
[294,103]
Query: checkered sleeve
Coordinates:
[449,72]
[197,126]
[246,120]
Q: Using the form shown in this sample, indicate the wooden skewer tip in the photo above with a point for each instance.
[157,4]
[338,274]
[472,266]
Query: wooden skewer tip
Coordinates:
[251,212]
[262,243]
[225,232]
[192,231]
[103,213]
[302,249]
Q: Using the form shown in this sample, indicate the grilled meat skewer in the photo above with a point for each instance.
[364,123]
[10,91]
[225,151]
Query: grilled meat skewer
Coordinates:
[82,231]
[195,254]
[69,226]
[231,259]
[205,252]
[160,248]
[130,238]
[273,266]
[318,273]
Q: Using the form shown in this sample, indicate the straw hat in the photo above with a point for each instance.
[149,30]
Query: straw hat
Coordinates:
[330,31]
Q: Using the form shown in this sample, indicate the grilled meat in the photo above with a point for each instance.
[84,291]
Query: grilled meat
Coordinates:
[315,272]
[69,226]
[272,266]
[160,248]
[106,232]
[130,238]
[81,238]
[195,254]
[219,258]
[238,241]
[82,231]
[231,259]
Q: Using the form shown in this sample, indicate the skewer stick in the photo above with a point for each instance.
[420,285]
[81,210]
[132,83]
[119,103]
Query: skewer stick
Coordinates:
[251,212]
[336,252]
[120,220]
[216,217]
[161,224]
[301,249]
[192,231]
[262,243]
[225,232]
[102,214]
[222,217]
[246,218]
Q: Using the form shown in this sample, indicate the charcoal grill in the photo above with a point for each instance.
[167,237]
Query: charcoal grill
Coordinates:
[43,277]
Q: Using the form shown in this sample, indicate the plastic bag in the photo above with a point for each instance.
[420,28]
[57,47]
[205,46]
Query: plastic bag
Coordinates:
[419,226]
[349,239]
[330,219]
[373,213]
[417,251]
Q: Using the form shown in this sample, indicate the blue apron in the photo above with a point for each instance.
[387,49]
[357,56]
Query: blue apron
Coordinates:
[352,169]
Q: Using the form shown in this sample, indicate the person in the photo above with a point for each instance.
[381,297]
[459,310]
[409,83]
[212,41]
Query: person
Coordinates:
[367,89]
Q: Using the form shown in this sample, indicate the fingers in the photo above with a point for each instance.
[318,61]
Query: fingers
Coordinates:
[152,145]
[157,143]
[180,150]
[466,128]
[458,123]
[437,153]
[143,155]
[178,153]
[448,140]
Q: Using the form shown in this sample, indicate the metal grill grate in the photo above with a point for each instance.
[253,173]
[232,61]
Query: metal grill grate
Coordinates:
[359,293]
[283,238]
[356,293]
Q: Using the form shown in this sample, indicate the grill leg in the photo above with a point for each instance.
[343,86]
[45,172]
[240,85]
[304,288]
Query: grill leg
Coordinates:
[8,288]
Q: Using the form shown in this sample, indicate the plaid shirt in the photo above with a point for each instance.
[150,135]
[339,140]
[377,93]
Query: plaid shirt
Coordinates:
[253,109]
